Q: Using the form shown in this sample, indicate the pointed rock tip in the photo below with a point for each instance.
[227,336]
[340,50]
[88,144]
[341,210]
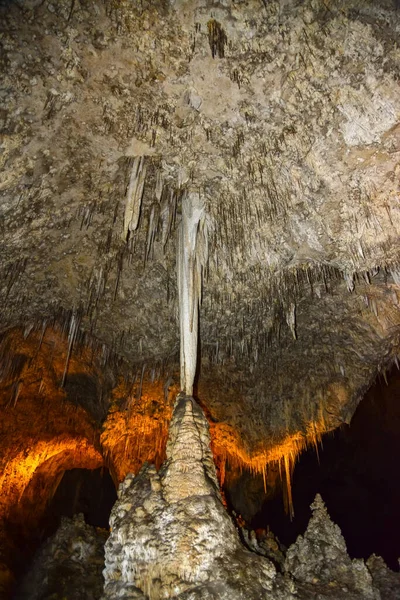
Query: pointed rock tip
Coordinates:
[318,503]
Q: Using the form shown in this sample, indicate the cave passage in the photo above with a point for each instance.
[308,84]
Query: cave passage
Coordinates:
[88,491]
[355,471]
[91,492]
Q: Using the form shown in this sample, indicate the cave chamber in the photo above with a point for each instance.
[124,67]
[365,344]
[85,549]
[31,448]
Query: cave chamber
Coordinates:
[199,299]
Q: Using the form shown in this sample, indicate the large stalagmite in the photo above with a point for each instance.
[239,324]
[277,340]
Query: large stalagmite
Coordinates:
[189,469]
[171,536]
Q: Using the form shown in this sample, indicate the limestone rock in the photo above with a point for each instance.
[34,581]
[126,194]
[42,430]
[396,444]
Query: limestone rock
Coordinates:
[265,544]
[189,470]
[387,581]
[320,558]
[69,564]
[171,535]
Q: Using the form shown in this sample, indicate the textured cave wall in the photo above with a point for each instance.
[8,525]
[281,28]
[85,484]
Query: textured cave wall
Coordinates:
[284,117]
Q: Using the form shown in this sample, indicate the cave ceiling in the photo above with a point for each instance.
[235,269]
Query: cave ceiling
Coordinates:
[283,116]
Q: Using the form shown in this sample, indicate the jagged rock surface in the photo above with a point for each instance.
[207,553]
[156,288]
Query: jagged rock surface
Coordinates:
[172,538]
[265,544]
[385,580]
[68,566]
[199,556]
[171,535]
[189,469]
[319,560]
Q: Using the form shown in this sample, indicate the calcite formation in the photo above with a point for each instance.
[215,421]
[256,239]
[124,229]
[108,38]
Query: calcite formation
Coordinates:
[189,469]
[319,560]
[385,580]
[191,259]
[156,155]
[68,565]
[317,566]
[171,536]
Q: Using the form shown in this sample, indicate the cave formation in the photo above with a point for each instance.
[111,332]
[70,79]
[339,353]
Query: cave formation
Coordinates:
[201,197]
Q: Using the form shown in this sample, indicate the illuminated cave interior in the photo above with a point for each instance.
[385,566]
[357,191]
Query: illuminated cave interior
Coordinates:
[199,298]
[65,457]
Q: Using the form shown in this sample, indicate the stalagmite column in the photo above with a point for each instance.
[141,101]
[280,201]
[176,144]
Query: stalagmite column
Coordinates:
[189,469]
[190,259]
[171,536]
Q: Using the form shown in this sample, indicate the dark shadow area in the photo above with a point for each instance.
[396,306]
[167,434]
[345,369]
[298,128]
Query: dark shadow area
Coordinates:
[69,563]
[357,476]
[91,492]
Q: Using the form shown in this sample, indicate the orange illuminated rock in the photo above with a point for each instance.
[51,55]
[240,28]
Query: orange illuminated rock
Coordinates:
[41,433]
[137,433]
[44,433]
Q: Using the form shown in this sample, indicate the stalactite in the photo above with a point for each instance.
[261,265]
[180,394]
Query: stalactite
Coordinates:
[191,258]
[291,319]
[134,195]
[395,273]
[216,38]
[349,278]
[72,335]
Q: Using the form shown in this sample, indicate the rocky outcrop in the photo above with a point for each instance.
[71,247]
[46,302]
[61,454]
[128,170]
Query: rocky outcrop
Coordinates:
[171,535]
[172,539]
[320,562]
[265,544]
[69,564]
[385,580]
